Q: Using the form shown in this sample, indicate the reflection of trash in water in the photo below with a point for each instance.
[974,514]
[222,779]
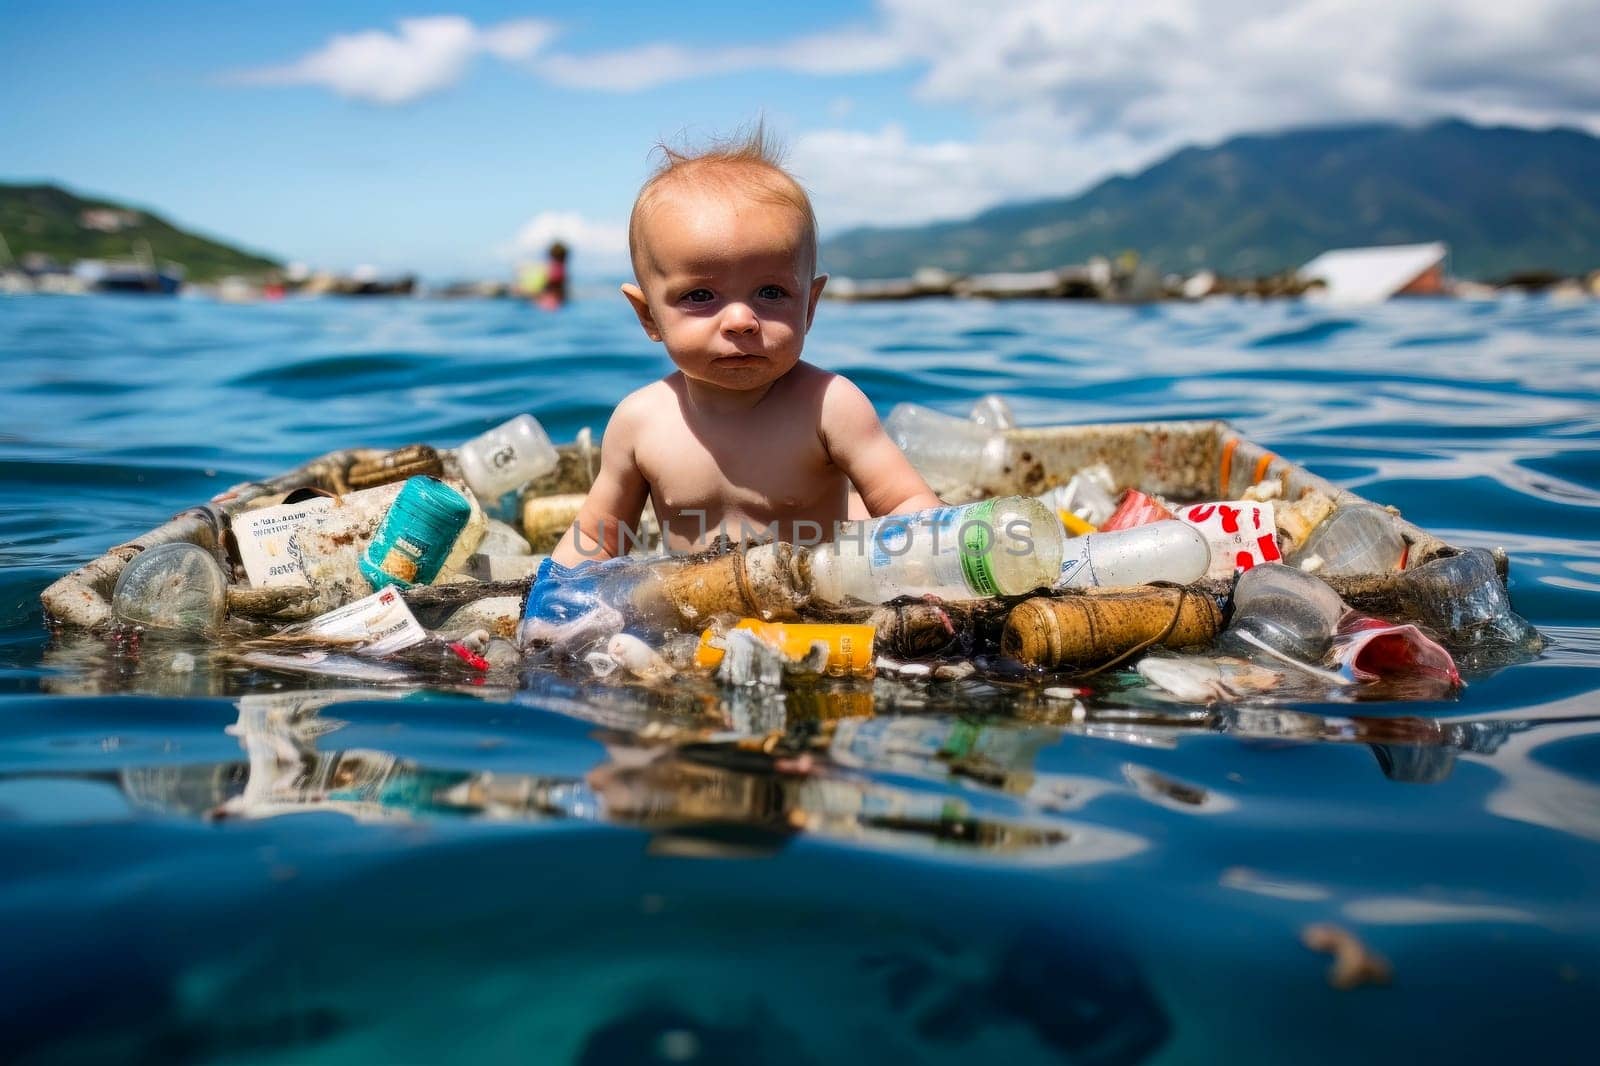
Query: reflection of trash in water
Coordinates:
[1354,964]
[684,786]
[996,753]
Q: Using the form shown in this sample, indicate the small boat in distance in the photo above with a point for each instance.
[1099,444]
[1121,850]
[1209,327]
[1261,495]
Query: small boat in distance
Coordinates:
[141,274]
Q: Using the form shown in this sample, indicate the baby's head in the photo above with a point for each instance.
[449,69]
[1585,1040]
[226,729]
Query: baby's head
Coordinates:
[724,249]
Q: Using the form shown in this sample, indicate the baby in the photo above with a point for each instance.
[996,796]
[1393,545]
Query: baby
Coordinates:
[744,437]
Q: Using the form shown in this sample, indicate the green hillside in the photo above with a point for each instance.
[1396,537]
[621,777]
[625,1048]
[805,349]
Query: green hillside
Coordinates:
[52,221]
[1506,200]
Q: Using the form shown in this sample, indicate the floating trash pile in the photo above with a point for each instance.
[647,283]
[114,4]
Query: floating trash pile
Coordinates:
[1083,549]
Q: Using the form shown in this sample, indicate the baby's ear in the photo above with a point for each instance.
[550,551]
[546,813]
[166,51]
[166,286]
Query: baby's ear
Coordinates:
[816,294]
[641,307]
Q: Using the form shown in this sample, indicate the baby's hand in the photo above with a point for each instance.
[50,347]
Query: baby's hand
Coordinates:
[607,521]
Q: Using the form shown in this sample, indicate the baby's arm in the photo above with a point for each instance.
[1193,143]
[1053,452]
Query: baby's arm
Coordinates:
[616,497]
[855,440]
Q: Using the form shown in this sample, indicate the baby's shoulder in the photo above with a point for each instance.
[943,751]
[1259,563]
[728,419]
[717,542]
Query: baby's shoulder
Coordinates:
[834,394]
[637,417]
[640,404]
[815,384]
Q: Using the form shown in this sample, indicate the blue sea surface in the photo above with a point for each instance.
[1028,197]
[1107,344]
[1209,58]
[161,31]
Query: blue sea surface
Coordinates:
[232,865]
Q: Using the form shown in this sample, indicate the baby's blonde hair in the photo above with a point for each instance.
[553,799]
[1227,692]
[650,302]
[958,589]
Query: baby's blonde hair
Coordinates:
[749,162]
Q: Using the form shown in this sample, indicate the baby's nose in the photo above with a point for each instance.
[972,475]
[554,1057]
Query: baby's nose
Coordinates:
[738,318]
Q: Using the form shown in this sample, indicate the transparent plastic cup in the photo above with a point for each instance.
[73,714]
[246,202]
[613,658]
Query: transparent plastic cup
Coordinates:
[1286,609]
[1353,540]
[172,586]
[951,453]
[505,458]
[1160,551]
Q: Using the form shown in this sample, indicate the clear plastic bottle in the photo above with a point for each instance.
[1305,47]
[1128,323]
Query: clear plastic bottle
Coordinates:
[951,453]
[505,458]
[999,547]
[1286,609]
[1462,597]
[993,411]
[1361,539]
[175,586]
[1159,551]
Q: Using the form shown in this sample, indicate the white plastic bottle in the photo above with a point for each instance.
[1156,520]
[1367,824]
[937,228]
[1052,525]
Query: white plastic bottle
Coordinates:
[952,453]
[1001,547]
[507,457]
[1158,551]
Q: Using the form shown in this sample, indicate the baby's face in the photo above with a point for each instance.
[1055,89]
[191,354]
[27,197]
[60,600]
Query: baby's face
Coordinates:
[727,286]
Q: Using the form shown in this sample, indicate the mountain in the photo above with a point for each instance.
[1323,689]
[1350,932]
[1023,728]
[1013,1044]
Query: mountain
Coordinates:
[1505,199]
[66,227]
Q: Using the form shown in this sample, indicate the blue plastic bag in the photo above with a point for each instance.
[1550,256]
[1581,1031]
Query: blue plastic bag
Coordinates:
[571,609]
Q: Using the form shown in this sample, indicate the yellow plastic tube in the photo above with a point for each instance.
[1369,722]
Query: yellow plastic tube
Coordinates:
[849,646]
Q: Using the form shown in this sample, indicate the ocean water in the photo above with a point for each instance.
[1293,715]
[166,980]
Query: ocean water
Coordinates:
[229,865]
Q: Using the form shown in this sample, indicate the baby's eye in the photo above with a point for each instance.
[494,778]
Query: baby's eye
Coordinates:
[699,296]
[772,292]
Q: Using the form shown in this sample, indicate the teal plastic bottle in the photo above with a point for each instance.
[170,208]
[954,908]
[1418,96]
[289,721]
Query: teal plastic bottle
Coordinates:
[416,535]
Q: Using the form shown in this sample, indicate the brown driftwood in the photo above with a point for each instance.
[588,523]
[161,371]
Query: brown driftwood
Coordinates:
[402,463]
[460,593]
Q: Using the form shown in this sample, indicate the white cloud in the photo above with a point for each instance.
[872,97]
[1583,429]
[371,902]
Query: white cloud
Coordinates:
[1060,94]
[600,246]
[1151,67]
[847,51]
[1067,94]
[1205,68]
[628,70]
[517,39]
[884,178]
[427,55]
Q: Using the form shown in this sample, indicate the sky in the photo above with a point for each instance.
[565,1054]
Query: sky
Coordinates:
[454,139]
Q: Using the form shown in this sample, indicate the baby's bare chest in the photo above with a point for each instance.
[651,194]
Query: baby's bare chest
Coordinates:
[751,465]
